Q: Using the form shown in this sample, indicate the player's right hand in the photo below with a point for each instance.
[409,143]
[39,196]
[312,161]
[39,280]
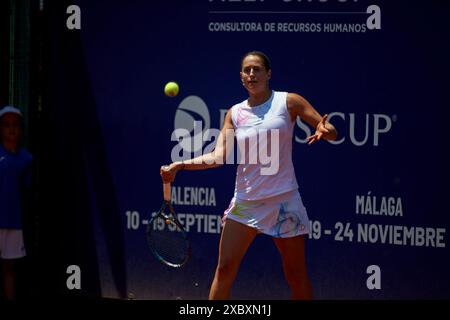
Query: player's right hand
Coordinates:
[168,173]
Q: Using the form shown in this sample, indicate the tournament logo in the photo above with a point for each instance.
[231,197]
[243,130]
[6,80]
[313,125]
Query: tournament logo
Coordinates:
[191,113]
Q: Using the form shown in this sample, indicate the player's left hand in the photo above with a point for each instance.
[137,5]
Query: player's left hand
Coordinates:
[320,131]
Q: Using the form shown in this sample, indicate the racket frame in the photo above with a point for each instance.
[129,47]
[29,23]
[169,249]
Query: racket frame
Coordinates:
[173,218]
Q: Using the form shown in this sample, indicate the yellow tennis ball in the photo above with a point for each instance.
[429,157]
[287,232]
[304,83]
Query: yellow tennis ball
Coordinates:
[171,89]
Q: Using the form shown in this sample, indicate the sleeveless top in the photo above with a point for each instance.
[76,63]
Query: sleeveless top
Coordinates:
[264,144]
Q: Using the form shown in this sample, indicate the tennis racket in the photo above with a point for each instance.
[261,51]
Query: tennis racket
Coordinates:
[166,237]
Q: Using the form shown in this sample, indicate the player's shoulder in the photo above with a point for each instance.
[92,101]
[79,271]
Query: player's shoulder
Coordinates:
[239,105]
[294,96]
[234,108]
[294,100]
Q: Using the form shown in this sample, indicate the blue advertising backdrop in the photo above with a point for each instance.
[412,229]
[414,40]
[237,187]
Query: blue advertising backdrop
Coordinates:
[375,197]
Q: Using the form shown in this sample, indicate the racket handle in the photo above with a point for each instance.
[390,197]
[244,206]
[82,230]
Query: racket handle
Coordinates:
[166,189]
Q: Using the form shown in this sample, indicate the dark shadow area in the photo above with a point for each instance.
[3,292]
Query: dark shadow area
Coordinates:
[70,162]
[4,54]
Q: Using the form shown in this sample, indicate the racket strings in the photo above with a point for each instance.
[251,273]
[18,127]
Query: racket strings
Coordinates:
[169,242]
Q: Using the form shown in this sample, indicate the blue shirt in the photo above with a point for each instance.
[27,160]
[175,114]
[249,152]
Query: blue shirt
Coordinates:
[15,176]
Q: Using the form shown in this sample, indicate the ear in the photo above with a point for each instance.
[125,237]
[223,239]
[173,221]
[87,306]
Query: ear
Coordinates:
[269,74]
[242,76]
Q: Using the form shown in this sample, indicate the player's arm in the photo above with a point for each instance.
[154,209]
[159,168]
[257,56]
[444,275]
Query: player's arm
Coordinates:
[217,157]
[300,107]
[210,160]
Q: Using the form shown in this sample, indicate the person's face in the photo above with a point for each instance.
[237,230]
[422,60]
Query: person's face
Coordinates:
[10,127]
[254,75]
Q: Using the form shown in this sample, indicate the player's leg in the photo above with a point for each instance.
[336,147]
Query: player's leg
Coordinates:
[292,251]
[234,242]
[8,275]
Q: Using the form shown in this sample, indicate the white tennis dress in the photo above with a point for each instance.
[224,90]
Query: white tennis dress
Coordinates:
[266,193]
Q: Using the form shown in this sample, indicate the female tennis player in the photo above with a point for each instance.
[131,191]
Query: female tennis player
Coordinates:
[263,202]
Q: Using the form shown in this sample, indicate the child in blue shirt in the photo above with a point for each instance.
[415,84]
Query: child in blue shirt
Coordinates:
[15,177]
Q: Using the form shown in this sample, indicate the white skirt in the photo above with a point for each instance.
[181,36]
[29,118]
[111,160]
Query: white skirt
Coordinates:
[281,216]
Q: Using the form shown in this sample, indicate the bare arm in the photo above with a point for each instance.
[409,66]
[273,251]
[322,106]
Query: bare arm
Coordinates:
[210,160]
[300,107]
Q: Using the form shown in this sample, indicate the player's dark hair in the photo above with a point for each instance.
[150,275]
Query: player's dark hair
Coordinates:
[262,55]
